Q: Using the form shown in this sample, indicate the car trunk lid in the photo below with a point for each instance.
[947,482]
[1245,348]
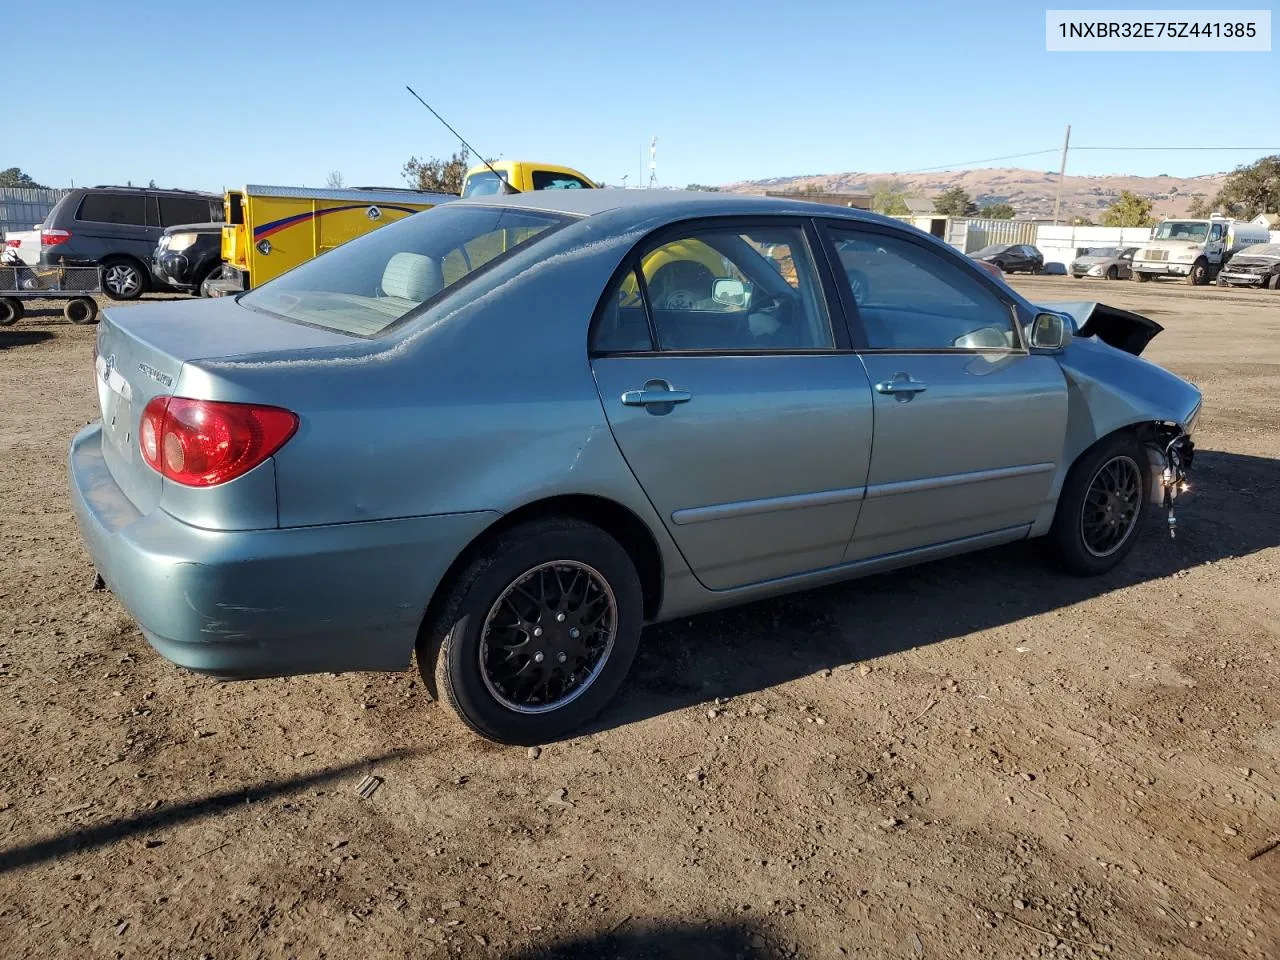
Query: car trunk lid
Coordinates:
[140,354]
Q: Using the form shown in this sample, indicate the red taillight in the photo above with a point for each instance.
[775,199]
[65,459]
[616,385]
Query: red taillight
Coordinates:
[51,238]
[201,443]
[13,243]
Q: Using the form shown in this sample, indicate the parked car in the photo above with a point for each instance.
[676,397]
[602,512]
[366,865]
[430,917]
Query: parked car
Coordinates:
[23,245]
[482,433]
[1112,263]
[1012,257]
[1255,266]
[118,228]
[187,256]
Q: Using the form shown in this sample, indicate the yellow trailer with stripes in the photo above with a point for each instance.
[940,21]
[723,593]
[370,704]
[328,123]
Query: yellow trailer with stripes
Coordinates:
[269,229]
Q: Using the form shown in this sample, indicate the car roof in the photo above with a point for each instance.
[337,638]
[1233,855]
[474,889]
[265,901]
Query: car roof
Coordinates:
[645,204]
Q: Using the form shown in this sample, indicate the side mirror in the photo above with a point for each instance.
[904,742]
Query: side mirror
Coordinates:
[1050,331]
[730,292]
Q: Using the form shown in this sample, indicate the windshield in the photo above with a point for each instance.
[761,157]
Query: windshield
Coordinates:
[1101,252]
[483,184]
[1261,250]
[1195,230]
[366,285]
[988,251]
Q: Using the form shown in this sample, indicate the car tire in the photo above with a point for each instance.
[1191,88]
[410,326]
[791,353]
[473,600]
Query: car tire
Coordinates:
[1113,273]
[1000,264]
[1102,506]
[209,274]
[11,311]
[529,573]
[1198,274]
[123,279]
[1275,282]
[1142,277]
[81,310]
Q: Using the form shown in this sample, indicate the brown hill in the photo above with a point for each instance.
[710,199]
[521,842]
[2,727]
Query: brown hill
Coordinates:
[1029,192]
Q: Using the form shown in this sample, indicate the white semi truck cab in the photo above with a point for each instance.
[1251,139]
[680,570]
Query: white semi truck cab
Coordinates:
[1194,249]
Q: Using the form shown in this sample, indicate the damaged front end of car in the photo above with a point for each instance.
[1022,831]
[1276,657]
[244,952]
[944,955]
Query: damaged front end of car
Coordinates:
[1110,388]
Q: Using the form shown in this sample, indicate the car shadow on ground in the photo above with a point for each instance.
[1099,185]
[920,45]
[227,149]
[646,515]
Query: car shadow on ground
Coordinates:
[101,834]
[22,338]
[1231,513]
[710,941]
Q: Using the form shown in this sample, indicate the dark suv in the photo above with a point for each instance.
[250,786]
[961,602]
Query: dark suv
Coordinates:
[119,227]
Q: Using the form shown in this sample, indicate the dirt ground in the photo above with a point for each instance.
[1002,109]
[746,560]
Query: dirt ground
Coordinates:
[975,758]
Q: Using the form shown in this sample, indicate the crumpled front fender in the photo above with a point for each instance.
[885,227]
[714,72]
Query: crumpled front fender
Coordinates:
[1109,389]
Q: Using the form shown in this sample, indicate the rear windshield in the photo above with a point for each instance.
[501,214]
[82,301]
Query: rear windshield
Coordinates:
[366,285]
[483,184]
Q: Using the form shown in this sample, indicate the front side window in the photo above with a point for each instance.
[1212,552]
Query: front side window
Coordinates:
[367,284]
[912,298]
[546,180]
[719,290]
[123,208]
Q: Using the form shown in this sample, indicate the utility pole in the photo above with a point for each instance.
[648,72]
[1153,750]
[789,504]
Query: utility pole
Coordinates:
[1062,172]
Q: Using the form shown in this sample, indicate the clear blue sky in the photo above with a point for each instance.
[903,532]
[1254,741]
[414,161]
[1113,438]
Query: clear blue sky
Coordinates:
[208,97]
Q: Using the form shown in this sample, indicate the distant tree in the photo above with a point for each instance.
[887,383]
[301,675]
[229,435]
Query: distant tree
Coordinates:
[1128,210]
[335,180]
[703,187]
[888,198]
[14,177]
[955,202]
[1200,207]
[1250,190]
[997,211]
[435,175]
[1082,222]
[152,183]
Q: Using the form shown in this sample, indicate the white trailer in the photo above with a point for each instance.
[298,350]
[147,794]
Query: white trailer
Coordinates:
[1194,250]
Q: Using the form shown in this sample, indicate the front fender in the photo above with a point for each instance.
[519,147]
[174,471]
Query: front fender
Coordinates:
[1108,390]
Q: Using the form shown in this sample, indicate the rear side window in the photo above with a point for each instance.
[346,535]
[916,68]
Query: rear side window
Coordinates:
[124,208]
[179,210]
[719,290]
[546,180]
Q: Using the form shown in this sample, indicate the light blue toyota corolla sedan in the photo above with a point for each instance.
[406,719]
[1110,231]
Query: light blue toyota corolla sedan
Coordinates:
[507,433]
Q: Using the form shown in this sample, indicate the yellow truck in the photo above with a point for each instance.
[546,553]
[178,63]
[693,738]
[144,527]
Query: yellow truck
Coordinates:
[525,175]
[269,230]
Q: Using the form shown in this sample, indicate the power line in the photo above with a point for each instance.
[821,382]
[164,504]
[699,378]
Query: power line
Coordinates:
[1264,149]
[967,163]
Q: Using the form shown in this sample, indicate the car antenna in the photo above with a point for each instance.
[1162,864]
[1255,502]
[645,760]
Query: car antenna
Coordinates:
[507,187]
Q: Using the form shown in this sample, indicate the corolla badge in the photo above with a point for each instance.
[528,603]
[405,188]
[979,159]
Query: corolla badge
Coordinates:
[155,374]
[108,365]
[373,213]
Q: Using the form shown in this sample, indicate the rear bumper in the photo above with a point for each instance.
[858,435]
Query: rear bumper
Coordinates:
[265,602]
